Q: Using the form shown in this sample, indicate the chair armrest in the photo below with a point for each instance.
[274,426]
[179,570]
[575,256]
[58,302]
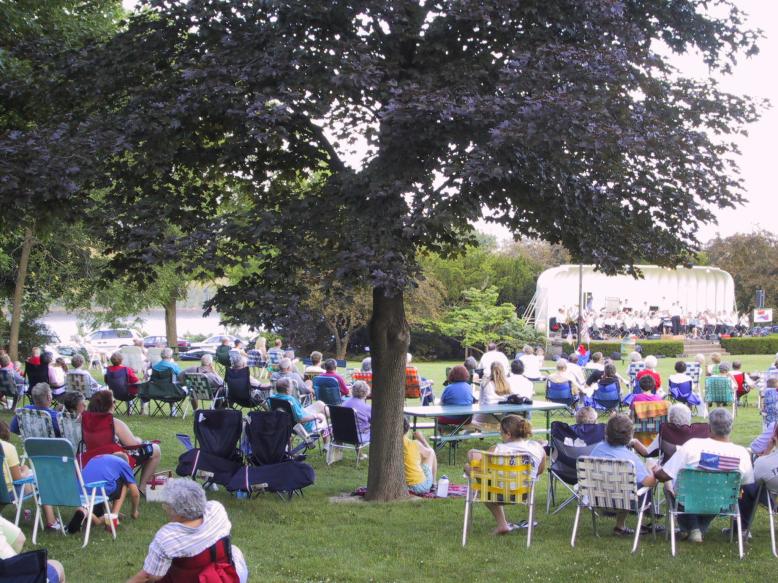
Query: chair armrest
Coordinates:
[27,480]
[95,485]
[644,490]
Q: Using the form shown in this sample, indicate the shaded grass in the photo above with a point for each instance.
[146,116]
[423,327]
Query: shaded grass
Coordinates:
[311,539]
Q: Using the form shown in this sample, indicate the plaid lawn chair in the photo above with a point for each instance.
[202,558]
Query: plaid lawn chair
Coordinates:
[694,370]
[701,491]
[366,376]
[76,383]
[648,417]
[412,383]
[719,390]
[610,484]
[504,479]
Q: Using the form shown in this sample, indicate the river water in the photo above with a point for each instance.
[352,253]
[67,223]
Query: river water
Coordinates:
[188,322]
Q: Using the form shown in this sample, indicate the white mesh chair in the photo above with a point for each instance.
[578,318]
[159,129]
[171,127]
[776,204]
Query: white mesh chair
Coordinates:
[609,484]
[199,390]
[693,369]
[133,357]
[76,382]
[503,479]
[632,371]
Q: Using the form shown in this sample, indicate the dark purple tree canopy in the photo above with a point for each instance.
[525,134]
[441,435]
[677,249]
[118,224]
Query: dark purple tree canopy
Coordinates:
[231,120]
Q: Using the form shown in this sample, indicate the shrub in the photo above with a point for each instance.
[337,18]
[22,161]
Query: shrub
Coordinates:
[655,347]
[749,345]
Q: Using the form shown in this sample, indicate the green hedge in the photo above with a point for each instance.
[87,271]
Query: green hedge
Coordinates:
[657,347]
[756,345]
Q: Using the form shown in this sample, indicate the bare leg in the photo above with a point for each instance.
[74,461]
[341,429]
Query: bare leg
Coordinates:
[150,466]
[428,457]
[499,516]
[48,512]
[119,502]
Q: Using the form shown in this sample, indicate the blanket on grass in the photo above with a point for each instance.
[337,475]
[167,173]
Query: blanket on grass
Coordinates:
[454,491]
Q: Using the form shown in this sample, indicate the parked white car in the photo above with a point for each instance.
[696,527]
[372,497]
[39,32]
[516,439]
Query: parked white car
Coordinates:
[110,340]
[214,342]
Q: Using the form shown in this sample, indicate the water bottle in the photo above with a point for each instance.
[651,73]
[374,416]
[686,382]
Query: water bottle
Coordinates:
[442,491]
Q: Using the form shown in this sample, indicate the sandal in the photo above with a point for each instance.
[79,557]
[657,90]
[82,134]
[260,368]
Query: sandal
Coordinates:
[511,528]
[626,531]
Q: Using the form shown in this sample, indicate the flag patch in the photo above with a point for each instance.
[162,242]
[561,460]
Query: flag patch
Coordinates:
[721,463]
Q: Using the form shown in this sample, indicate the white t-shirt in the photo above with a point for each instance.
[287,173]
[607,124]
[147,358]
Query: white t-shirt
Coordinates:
[766,470]
[531,366]
[521,386]
[528,446]
[493,356]
[688,456]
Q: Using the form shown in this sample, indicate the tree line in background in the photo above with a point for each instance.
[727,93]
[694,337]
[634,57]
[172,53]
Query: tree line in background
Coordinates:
[209,141]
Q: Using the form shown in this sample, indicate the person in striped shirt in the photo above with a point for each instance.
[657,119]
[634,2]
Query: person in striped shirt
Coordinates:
[196,526]
[715,453]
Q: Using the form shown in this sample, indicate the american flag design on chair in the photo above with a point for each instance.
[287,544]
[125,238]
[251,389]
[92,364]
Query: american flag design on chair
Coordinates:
[716,462]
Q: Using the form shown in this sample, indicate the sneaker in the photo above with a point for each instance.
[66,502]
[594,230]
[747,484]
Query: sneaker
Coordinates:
[727,532]
[695,535]
[55,526]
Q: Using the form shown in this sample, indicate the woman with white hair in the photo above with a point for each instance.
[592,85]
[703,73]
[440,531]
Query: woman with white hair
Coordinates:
[195,540]
[680,416]
[362,411]
[167,363]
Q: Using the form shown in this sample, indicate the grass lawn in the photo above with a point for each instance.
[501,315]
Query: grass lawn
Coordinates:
[311,539]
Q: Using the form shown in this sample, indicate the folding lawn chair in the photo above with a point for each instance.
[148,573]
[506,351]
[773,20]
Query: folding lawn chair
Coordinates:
[239,392]
[70,424]
[36,373]
[8,387]
[298,430]
[59,482]
[706,492]
[563,455]
[199,390]
[76,383]
[119,383]
[98,437]
[327,389]
[133,357]
[718,390]
[216,455]
[633,369]
[671,436]
[501,478]
[694,370]
[561,393]
[684,393]
[271,466]
[648,417]
[609,484]
[345,433]
[34,423]
[15,495]
[160,390]
[607,398]
[29,567]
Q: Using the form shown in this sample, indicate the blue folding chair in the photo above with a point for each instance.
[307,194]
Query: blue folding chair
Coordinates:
[561,393]
[327,389]
[60,483]
[15,495]
[29,567]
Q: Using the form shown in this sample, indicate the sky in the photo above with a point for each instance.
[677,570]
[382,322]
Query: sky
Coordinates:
[756,77]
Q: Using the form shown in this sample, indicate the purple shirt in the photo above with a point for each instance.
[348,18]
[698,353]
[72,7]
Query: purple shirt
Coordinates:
[363,412]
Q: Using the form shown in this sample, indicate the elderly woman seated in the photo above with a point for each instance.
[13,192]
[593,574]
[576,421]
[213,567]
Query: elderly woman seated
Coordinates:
[194,541]
[89,381]
[362,411]
[680,417]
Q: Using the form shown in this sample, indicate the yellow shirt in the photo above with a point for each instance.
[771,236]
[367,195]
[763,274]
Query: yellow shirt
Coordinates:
[11,460]
[412,459]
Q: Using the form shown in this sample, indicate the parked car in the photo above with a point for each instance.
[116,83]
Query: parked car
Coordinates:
[214,341]
[110,340]
[152,341]
[195,354]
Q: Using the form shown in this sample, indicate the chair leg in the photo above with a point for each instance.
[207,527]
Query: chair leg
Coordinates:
[90,508]
[549,492]
[740,534]
[672,531]
[467,515]
[772,523]
[108,510]
[575,524]
[531,515]
[640,522]
[35,528]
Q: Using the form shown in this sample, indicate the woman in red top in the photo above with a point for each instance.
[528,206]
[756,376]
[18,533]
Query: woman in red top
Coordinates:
[651,364]
[132,378]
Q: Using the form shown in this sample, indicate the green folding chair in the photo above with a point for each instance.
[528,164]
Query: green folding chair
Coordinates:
[59,482]
[718,390]
[706,492]
[199,390]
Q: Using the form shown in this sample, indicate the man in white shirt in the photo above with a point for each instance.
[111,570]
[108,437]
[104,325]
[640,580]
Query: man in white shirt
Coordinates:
[493,355]
[716,453]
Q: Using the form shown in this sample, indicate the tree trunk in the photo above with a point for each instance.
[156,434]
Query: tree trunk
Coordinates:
[338,346]
[341,346]
[389,340]
[21,276]
[170,325]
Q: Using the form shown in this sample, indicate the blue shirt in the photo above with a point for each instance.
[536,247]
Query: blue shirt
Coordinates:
[163,365]
[459,393]
[52,413]
[620,452]
[297,409]
[109,468]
